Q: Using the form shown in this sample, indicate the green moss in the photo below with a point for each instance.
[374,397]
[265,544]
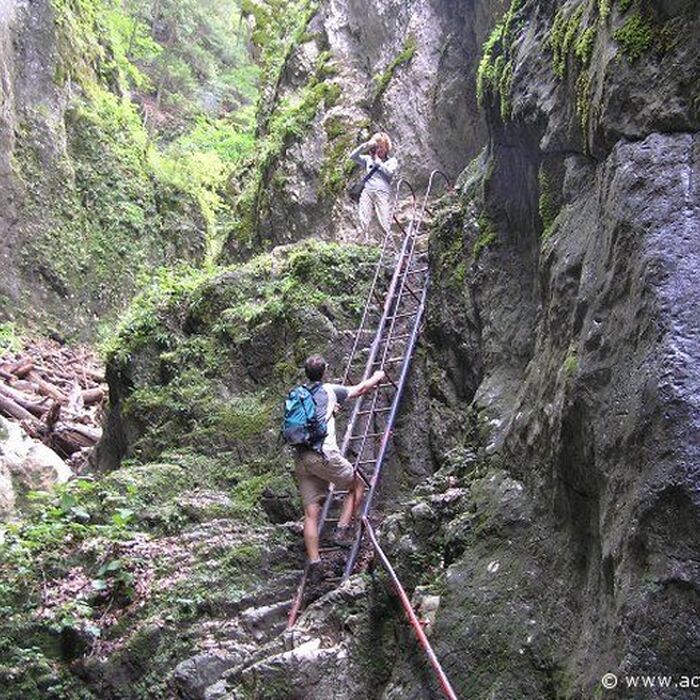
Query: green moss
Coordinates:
[488,235]
[563,36]
[288,122]
[280,26]
[186,331]
[495,71]
[584,45]
[448,249]
[571,363]
[401,59]
[583,103]
[624,5]
[635,36]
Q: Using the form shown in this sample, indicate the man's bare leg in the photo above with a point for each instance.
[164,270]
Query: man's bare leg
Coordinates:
[352,502]
[311,512]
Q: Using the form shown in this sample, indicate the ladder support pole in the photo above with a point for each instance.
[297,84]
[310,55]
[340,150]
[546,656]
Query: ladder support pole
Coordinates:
[410,614]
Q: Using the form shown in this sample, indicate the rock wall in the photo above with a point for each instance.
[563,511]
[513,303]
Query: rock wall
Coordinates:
[562,323]
[81,214]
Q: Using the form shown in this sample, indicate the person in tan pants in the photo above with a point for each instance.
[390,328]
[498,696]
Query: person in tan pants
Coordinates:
[316,468]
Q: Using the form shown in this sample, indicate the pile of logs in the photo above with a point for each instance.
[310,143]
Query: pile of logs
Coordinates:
[57,394]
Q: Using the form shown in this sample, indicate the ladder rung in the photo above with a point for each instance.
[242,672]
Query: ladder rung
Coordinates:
[340,493]
[326,550]
[368,435]
[405,315]
[396,358]
[374,410]
[365,461]
[407,288]
[416,271]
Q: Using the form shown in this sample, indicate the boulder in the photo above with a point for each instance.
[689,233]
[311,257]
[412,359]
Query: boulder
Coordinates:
[26,465]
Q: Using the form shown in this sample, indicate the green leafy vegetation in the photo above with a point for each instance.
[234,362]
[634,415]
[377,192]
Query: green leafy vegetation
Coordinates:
[290,119]
[279,27]
[162,113]
[10,337]
[202,322]
[401,59]
[495,71]
[635,36]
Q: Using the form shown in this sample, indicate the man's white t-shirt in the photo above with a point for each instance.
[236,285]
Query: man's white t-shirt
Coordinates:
[336,395]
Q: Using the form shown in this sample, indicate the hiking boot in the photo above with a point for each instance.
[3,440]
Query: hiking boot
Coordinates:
[316,574]
[344,536]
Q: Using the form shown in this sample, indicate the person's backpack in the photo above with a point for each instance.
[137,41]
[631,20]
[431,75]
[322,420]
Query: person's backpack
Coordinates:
[355,188]
[301,426]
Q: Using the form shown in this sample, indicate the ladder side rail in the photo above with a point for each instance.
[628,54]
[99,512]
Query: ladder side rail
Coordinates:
[387,348]
[352,557]
[386,433]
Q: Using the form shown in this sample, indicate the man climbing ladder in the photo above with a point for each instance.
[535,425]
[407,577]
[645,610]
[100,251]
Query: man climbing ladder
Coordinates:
[320,462]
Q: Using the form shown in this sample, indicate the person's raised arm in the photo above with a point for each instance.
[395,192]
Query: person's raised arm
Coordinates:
[366,385]
[357,156]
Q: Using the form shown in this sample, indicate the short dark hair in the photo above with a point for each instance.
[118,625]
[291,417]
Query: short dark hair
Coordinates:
[314,367]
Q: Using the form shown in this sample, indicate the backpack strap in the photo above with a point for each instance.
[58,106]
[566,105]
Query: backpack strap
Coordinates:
[373,169]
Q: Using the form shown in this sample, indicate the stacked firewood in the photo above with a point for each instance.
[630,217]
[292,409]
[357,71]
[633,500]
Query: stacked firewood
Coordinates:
[57,393]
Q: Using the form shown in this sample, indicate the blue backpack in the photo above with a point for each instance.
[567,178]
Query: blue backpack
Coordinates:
[302,426]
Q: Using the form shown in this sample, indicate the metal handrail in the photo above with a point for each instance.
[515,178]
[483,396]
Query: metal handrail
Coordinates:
[408,609]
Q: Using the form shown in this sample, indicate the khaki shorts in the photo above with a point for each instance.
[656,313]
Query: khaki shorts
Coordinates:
[313,474]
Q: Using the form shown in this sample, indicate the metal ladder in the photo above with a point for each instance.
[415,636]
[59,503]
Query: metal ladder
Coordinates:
[399,308]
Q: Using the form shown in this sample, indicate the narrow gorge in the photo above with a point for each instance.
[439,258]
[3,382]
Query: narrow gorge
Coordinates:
[177,238]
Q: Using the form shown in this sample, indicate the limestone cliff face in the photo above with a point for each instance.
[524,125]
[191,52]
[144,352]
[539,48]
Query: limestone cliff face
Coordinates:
[564,320]
[404,67]
[81,216]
